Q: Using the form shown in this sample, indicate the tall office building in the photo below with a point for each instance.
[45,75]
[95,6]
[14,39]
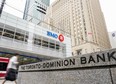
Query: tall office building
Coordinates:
[35,10]
[84,21]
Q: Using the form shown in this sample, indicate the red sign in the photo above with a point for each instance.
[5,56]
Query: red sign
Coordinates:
[61,38]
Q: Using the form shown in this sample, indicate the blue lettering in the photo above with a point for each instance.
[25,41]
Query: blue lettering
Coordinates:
[56,36]
[48,33]
[52,34]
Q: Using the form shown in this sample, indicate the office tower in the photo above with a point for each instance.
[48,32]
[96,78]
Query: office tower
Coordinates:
[84,21]
[35,10]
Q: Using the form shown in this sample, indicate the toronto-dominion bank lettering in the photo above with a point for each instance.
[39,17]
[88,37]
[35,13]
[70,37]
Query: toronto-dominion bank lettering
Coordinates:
[59,63]
[103,57]
[74,61]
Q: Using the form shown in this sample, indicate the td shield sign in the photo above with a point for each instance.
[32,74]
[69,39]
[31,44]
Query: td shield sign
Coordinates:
[60,37]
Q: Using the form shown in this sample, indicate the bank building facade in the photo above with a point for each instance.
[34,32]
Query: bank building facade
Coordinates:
[23,37]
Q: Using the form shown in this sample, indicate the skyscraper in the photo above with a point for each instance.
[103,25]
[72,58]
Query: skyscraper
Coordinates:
[84,21]
[35,10]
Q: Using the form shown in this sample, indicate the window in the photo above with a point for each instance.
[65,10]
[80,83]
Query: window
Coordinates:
[41,8]
[41,11]
[37,41]
[19,36]
[52,45]
[8,33]
[57,46]
[44,43]
[1,30]
[26,37]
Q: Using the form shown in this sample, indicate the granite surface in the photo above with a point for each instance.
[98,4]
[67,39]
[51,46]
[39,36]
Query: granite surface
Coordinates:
[94,68]
[89,76]
[113,73]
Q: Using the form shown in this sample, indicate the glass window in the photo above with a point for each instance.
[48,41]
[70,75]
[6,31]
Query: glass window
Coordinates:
[57,46]
[19,36]
[44,43]
[52,45]
[26,36]
[1,30]
[37,40]
[8,33]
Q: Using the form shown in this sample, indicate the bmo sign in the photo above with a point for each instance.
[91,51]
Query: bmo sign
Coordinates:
[56,36]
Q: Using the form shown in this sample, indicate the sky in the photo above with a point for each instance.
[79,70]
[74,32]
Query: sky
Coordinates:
[107,6]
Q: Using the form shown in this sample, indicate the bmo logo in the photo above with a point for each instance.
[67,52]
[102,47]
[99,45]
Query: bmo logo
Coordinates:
[61,38]
[54,35]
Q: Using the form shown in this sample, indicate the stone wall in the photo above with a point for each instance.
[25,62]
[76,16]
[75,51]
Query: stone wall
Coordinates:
[94,68]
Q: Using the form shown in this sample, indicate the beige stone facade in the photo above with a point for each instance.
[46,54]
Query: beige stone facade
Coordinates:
[83,20]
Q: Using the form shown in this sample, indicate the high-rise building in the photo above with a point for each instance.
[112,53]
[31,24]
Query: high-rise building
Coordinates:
[35,10]
[83,20]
